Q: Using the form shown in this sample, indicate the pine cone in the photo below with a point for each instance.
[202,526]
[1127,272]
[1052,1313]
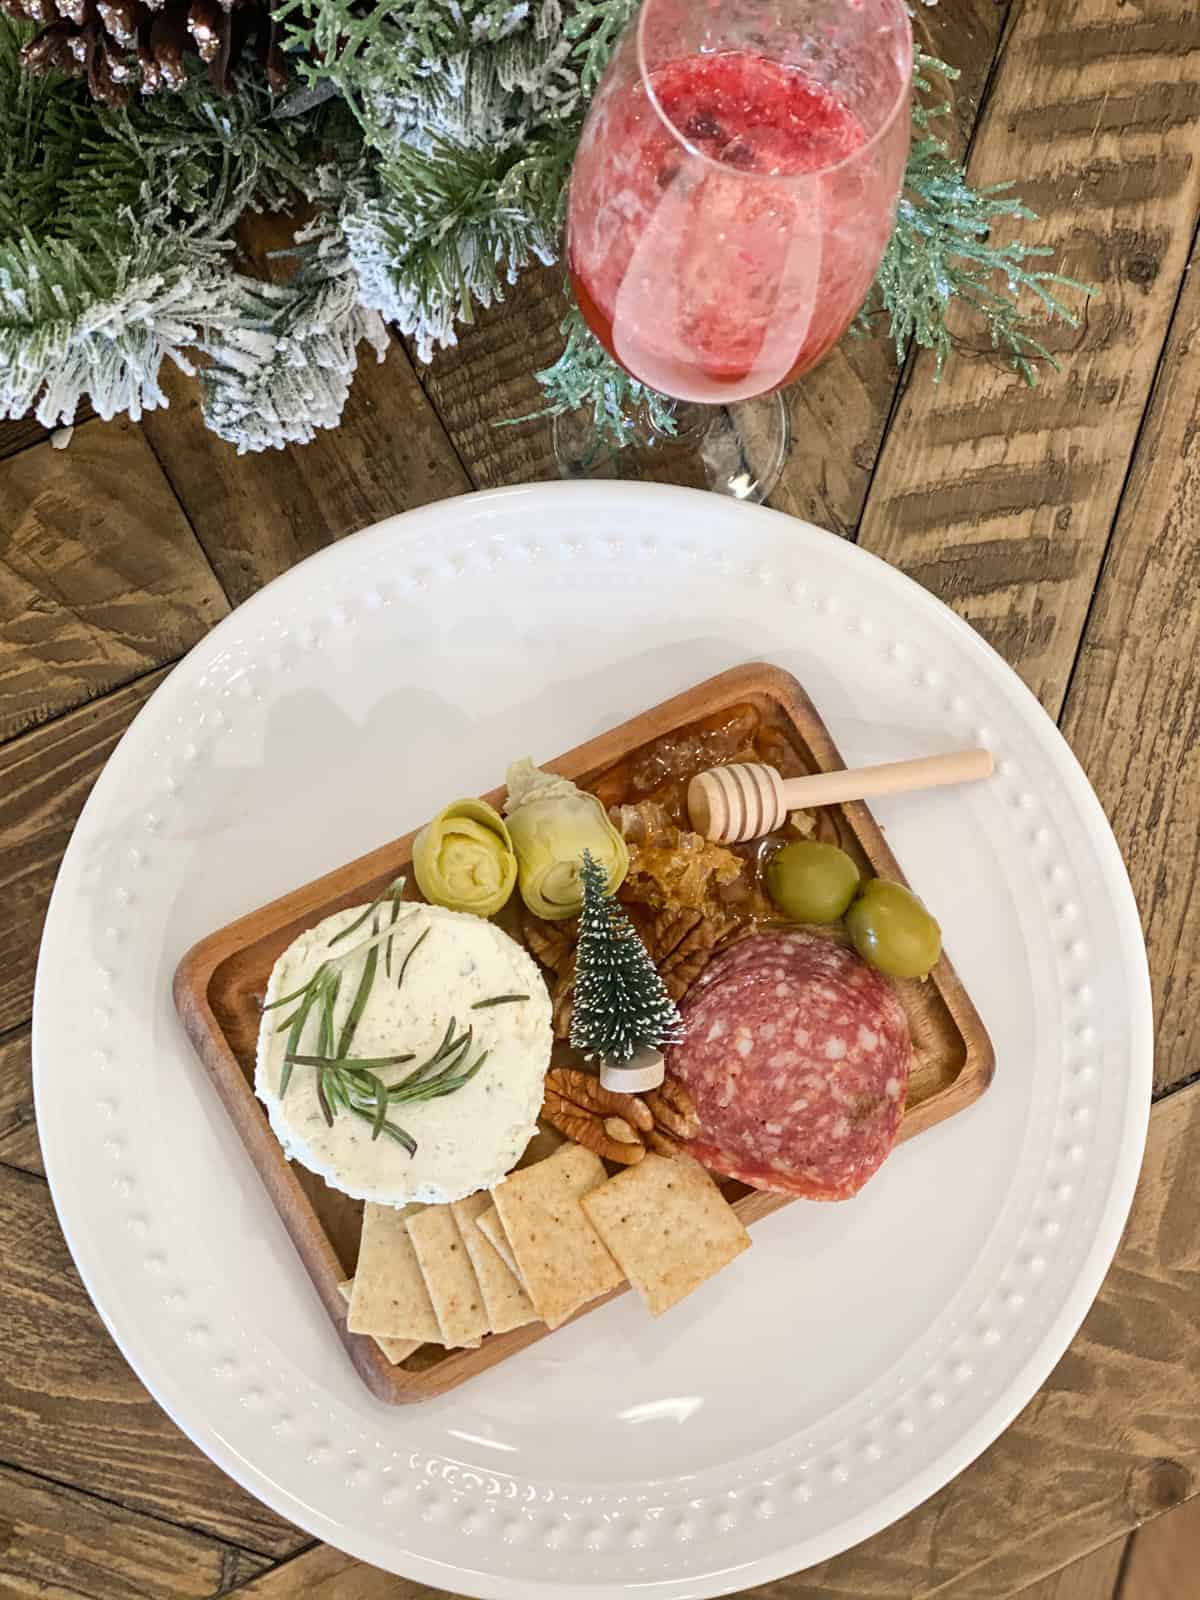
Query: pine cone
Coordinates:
[122,45]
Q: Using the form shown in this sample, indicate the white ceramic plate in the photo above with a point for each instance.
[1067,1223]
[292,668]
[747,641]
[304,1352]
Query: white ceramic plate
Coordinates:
[861,1354]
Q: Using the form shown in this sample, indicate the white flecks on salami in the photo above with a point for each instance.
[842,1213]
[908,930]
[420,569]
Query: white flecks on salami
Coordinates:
[797,1055]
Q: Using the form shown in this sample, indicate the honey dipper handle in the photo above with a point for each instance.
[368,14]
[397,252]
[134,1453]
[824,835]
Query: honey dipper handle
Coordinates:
[893,777]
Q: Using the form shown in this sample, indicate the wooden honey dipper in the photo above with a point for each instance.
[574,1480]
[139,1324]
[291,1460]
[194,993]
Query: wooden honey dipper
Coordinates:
[745,800]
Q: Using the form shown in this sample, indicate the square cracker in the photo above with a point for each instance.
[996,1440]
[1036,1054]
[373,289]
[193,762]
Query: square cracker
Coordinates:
[561,1259]
[390,1300]
[449,1277]
[668,1225]
[507,1304]
[396,1350]
[489,1224]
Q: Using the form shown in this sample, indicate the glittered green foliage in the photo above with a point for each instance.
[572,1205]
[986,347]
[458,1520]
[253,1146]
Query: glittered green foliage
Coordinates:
[942,254]
[586,376]
[620,1002]
[594,28]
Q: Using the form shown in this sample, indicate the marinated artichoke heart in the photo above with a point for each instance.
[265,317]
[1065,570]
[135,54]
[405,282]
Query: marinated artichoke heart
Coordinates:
[464,859]
[551,823]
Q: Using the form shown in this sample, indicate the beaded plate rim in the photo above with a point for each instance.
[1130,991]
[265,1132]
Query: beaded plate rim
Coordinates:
[489,1533]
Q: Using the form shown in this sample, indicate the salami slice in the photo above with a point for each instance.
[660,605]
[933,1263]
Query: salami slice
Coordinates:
[797,1055]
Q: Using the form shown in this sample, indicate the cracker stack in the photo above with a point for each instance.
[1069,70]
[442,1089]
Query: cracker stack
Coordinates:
[548,1241]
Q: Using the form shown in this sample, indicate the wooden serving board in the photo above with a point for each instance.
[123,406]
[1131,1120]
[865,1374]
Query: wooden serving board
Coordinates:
[220,984]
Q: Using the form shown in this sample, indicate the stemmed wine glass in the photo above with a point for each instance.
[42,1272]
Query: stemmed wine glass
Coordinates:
[733,192]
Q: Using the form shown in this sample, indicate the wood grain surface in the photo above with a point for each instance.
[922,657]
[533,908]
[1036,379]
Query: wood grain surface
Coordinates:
[19,433]
[1163,1558]
[1133,711]
[257,515]
[998,499]
[55,1541]
[18,1128]
[1094,1577]
[1063,523]
[98,584]
[45,776]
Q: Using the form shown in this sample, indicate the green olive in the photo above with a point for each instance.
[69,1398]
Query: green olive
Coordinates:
[811,882]
[892,930]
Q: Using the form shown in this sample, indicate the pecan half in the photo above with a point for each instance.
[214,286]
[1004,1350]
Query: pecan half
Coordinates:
[620,1130]
[562,999]
[585,1090]
[689,958]
[553,943]
[590,1130]
[668,931]
[673,1109]
[663,1145]
[613,1125]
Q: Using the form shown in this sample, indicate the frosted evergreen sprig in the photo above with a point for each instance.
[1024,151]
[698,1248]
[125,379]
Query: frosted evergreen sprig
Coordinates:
[116,256]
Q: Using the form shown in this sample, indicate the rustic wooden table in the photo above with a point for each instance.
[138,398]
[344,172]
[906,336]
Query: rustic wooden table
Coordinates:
[1062,523]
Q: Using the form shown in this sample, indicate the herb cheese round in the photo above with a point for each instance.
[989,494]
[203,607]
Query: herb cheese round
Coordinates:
[466,1140]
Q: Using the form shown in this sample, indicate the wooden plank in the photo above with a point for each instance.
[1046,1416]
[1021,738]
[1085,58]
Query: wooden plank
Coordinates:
[57,1543]
[1111,1440]
[1164,1560]
[22,432]
[1093,1577]
[838,412]
[257,515]
[18,1130]
[1000,500]
[71,1410]
[45,777]
[101,579]
[326,1574]
[488,378]
[1133,712]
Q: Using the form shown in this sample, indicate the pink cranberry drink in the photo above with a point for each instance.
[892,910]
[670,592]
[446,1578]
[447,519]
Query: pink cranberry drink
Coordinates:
[735,187]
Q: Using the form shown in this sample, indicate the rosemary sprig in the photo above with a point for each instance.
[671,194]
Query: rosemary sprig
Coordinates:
[416,945]
[295,1027]
[498,1000]
[397,890]
[364,1093]
[296,994]
[400,1135]
[327,993]
[351,1063]
[339,960]
[355,1084]
[358,1004]
[392,893]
